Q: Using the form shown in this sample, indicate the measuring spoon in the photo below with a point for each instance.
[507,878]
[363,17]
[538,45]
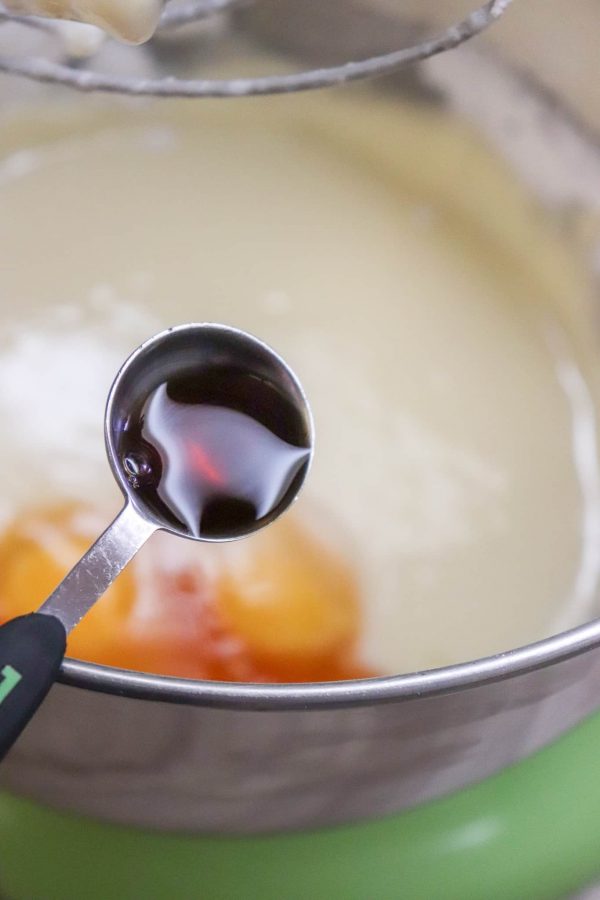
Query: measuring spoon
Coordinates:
[220,449]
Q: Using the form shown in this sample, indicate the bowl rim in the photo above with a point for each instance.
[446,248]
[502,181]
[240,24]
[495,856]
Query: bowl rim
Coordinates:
[330,695]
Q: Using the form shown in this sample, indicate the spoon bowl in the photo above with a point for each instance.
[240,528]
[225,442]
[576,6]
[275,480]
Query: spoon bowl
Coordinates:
[207,354]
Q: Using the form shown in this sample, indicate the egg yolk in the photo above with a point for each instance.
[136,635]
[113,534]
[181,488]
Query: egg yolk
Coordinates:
[277,607]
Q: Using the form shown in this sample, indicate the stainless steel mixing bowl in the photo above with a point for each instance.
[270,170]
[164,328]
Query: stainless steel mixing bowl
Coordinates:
[171,754]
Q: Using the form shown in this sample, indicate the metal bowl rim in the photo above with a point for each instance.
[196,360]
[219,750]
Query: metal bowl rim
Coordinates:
[329,695]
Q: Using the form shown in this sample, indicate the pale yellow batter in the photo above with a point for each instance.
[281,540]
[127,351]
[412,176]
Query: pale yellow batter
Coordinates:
[439,324]
[133,21]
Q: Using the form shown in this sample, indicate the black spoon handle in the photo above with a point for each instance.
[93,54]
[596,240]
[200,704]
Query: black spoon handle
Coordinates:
[31,650]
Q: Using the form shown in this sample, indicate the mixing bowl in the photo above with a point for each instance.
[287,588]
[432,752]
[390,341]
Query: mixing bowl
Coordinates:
[174,755]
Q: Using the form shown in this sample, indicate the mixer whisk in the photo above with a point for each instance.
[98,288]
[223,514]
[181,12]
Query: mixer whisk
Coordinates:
[183,14]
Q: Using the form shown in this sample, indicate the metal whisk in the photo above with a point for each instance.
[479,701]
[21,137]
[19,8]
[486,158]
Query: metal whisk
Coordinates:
[183,14]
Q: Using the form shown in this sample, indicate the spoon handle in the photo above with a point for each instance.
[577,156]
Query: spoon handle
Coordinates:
[91,577]
[32,647]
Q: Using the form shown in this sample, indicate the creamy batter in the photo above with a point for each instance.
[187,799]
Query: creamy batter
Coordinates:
[439,325]
[133,21]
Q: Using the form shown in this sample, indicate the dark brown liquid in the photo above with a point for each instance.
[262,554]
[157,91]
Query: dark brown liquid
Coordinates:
[215,452]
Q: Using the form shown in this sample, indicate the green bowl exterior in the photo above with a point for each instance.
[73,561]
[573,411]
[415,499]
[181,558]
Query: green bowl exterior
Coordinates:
[531,831]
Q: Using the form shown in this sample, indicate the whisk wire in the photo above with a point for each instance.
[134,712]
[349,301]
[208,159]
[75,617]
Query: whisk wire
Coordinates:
[87,80]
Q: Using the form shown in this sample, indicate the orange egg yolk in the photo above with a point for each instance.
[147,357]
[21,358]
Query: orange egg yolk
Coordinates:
[278,607]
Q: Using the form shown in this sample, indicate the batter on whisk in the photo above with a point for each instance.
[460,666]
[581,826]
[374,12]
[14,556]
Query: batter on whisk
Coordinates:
[132,21]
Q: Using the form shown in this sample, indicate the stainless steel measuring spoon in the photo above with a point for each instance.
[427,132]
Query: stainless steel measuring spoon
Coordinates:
[32,647]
